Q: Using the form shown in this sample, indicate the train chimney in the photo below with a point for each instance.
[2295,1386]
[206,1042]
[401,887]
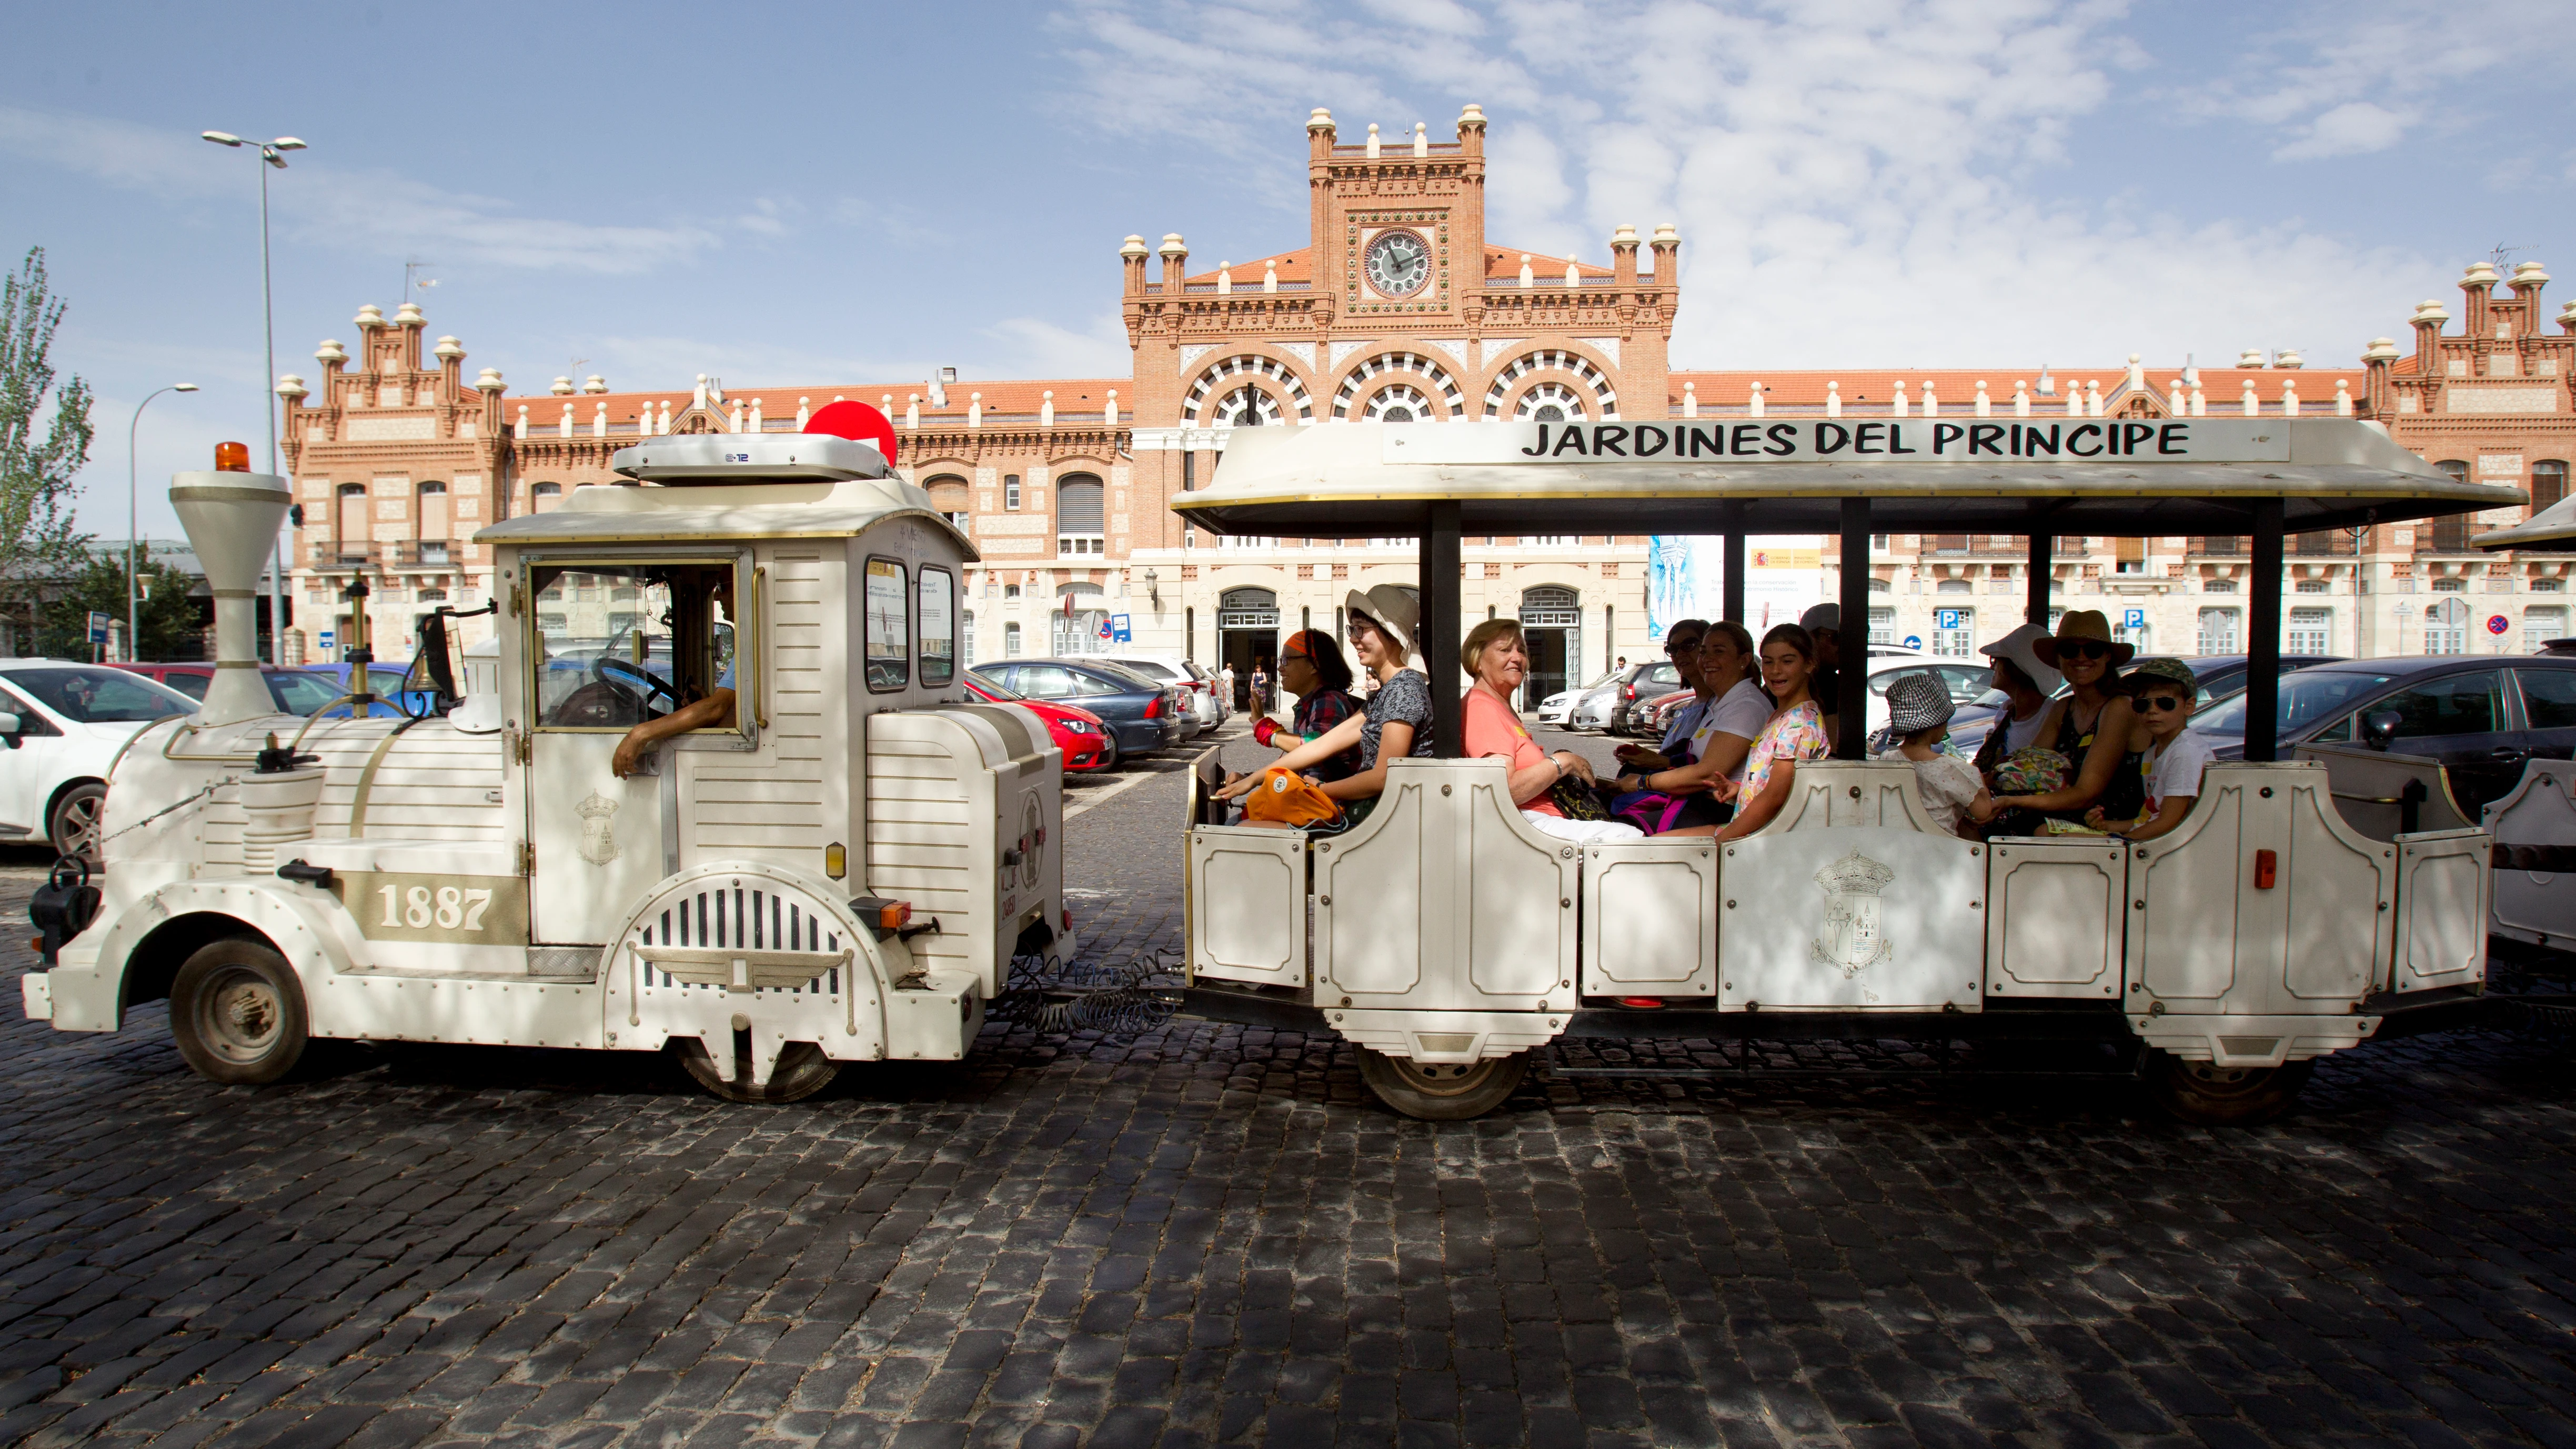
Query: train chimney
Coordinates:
[232,515]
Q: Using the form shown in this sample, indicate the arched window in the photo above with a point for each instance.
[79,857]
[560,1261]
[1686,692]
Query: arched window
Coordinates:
[2219,633]
[431,514]
[949,496]
[1079,521]
[543,497]
[353,526]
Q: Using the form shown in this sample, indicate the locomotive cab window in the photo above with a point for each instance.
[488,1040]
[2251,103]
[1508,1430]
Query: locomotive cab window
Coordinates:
[618,644]
[938,624]
[889,626]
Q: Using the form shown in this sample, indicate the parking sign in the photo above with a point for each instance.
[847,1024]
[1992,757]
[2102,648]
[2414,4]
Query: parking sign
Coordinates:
[2134,619]
[1946,619]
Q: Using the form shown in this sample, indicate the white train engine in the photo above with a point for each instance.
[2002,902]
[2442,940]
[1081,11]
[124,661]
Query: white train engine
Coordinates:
[718,789]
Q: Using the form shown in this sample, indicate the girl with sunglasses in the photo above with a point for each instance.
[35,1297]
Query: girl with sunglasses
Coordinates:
[2094,727]
[2163,691]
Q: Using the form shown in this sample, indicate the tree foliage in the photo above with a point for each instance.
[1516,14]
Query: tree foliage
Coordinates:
[36,538]
[170,622]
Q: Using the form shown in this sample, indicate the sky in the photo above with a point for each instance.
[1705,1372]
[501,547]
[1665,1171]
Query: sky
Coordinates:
[802,194]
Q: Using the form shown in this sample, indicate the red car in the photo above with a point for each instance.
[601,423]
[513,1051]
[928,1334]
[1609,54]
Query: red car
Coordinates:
[1086,742]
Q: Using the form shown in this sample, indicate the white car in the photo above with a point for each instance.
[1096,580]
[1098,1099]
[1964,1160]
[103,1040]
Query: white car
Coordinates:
[1206,710]
[63,724]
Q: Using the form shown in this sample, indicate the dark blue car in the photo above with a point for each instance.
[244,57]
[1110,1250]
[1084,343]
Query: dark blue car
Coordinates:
[385,679]
[1143,715]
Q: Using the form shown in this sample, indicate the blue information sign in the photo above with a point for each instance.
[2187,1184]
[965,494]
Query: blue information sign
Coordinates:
[1948,619]
[1119,630]
[1913,641]
[2134,619]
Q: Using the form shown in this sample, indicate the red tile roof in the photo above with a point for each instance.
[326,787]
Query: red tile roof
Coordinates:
[1954,387]
[1296,266]
[1504,264]
[1073,396]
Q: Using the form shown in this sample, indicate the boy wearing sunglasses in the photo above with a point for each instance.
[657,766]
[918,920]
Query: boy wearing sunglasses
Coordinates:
[2163,691]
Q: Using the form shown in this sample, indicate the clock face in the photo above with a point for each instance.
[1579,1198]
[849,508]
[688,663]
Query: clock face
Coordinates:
[1399,262]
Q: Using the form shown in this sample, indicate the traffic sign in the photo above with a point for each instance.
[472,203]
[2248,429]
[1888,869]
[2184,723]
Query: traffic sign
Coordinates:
[97,627]
[1913,641]
[1119,629]
[326,638]
[1946,620]
[2134,619]
[2497,624]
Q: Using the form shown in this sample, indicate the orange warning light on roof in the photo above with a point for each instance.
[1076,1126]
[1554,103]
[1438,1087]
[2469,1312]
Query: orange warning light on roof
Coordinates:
[232,457]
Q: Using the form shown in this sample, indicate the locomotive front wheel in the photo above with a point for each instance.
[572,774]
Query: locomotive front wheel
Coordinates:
[1442,1091]
[802,1071]
[237,1013]
[2209,1095]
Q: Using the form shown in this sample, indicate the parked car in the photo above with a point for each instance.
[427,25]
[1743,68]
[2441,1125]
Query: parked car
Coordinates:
[1144,715]
[1206,710]
[1650,681]
[1591,710]
[1086,741]
[1966,680]
[63,724]
[2481,716]
[2220,676]
[297,691]
[1659,715]
[387,682]
[1558,708]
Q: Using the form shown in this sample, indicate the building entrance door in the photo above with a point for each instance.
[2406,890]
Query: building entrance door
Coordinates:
[1552,630]
[1247,634]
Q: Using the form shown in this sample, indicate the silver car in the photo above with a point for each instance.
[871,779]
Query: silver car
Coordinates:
[1206,712]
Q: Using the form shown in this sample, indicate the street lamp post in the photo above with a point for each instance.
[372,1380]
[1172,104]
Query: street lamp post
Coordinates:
[271,152]
[133,526]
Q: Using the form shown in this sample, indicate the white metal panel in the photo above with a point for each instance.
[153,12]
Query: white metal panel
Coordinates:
[1445,898]
[772,802]
[1852,898]
[2204,938]
[1650,918]
[1248,905]
[2536,906]
[755,948]
[2053,931]
[598,838]
[1857,918]
[951,792]
[2442,911]
[2368,784]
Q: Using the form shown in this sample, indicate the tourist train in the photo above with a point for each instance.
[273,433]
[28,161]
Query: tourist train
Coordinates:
[715,788]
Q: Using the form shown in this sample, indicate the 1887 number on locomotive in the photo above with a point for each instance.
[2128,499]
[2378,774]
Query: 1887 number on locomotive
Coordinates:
[468,910]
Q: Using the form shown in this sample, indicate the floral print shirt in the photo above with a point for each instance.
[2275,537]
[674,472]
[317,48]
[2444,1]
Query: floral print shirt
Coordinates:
[1794,734]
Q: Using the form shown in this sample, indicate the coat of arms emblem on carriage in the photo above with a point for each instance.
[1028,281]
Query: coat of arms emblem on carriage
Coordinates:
[1853,938]
[598,841]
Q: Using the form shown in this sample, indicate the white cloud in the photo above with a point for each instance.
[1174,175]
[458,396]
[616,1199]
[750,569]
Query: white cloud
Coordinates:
[1034,347]
[2353,79]
[347,207]
[2354,128]
[1854,179]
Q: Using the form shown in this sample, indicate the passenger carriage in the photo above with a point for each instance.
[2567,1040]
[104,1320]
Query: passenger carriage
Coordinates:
[843,873]
[1451,941]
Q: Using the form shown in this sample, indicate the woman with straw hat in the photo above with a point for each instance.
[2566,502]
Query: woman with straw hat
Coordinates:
[2101,737]
[1393,723]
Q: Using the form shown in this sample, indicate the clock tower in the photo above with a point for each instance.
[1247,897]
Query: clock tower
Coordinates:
[1398,226]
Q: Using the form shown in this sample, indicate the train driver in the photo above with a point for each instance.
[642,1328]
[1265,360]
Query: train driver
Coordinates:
[712,711]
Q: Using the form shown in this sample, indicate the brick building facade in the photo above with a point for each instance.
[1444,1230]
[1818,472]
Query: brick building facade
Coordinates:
[1399,308]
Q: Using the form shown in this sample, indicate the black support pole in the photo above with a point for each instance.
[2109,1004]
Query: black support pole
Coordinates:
[1854,636]
[1439,646]
[1733,585]
[2263,651]
[2042,547]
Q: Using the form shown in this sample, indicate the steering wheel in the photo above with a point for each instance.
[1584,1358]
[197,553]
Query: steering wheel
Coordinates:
[611,668]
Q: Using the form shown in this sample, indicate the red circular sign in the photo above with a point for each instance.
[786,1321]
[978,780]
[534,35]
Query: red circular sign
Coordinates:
[857,421]
[2497,624]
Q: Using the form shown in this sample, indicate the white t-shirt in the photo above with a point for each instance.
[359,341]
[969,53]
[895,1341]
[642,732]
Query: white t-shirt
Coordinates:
[2175,769]
[2021,734]
[1741,712]
[1945,784]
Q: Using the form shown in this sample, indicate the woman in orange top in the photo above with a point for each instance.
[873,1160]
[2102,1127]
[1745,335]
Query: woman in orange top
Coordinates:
[1496,657]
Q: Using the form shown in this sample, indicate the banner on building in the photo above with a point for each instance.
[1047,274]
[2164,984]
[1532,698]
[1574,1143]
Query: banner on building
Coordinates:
[1686,579]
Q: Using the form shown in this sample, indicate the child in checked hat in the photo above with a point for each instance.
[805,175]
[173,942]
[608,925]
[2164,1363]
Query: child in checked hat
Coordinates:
[1918,711]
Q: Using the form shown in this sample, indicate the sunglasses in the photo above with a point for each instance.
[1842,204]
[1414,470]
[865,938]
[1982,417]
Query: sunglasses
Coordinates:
[2085,648]
[2166,702]
[1688,646]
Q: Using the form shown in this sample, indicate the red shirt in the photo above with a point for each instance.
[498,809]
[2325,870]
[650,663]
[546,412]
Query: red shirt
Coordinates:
[1492,729]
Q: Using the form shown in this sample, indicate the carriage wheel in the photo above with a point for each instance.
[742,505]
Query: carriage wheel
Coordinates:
[802,1071]
[237,1013]
[1442,1091]
[2208,1095]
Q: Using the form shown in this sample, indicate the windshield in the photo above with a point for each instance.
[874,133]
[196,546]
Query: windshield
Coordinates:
[302,693]
[101,696]
[2306,697]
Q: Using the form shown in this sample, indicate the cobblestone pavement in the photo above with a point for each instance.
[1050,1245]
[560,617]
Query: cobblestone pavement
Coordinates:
[1210,1235]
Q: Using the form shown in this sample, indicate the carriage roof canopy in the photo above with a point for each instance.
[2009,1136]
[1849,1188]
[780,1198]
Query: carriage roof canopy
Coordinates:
[2551,530]
[2111,476]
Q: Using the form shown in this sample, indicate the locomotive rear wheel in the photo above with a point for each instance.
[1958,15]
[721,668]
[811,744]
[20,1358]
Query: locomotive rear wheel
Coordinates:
[1442,1091]
[237,1013]
[2208,1095]
[802,1070]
